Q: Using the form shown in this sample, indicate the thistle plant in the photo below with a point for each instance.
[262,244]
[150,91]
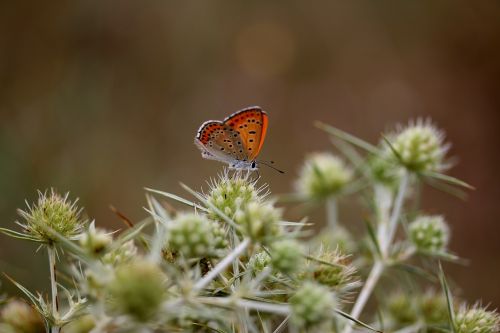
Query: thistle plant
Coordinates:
[52,218]
[137,290]
[226,259]
[312,305]
[191,235]
[323,177]
[476,319]
[429,233]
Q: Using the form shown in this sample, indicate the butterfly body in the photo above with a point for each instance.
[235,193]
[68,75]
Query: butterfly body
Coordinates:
[237,140]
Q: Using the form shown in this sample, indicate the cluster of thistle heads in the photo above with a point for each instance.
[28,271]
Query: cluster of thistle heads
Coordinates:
[226,260]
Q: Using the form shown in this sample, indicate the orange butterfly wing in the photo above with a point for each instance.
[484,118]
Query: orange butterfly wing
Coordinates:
[251,125]
[221,141]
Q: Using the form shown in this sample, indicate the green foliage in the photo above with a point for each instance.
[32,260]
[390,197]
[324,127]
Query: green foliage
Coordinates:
[227,261]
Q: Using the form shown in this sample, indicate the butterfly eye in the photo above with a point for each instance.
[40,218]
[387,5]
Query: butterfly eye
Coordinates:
[254,165]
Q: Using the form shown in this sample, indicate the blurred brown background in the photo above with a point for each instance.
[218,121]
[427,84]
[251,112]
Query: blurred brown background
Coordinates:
[102,98]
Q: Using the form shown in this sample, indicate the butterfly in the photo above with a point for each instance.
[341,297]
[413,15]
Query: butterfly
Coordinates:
[237,140]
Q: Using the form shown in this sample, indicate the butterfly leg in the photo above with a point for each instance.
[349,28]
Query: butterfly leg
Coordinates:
[257,177]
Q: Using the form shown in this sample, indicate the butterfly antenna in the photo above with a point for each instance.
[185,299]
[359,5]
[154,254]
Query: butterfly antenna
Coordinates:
[268,164]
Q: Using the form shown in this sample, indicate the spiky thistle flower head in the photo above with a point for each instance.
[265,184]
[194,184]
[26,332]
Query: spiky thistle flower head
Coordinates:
[311,305]
[332,269]
[323,175]
[231,192]
[434,308]
[476,319]
[382,168]
[402,309]
[286,255]
[429,233]
[83,324]
[192,235]
[339,238]
[259,261]
[122,254]
[137,290]
[95,241]
[259,221]
[52,212]
[420,147]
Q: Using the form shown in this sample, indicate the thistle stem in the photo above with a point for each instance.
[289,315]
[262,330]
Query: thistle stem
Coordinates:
[53,285]
[396,212]
[385,241]
[332,213]
[222,265]
[365,293]
[254,285]
[281,309]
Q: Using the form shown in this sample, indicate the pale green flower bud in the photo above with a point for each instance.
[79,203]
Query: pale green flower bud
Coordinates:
[476,320]
[337,274]
[429,233]
[420,147]
[340,238]
[259,221]
[286,256]
[138,290]
[192,235]
[125,253]
[323,175]
[434,308]
[83,324]
[312,305]
[383,170]
[259,261]
[95,241]
[228,194]
[52,212]
[402,309]
[219,235]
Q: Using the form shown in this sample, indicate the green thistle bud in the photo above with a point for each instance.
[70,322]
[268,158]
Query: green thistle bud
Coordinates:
[259,221]
[286,256]
[383,170]
[125,253]
[191,235]
[52,212]
[228,194]
[323,175]
[259,261]
[402,309]
[312,305]
[429,233]
[338,274]
[22,318]
[434,308]
[83,324]
[339,238]
[137,290]
[419,147]
[476,320]
[219,235]
[95,241]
